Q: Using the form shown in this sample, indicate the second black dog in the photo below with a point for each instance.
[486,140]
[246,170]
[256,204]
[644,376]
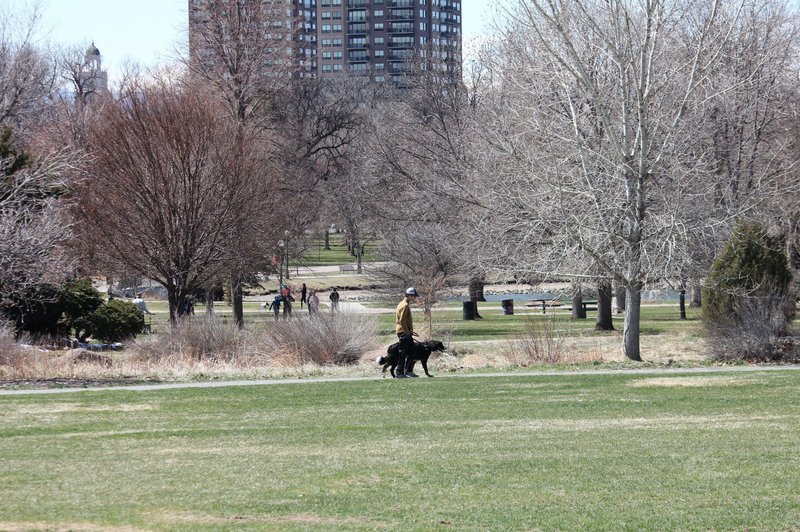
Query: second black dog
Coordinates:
[422,351]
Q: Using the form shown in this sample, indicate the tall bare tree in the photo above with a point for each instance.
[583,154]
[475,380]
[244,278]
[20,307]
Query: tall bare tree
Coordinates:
[418,184]
[34,221]
[170,186]
[27,72]
[250,55]
[599,168]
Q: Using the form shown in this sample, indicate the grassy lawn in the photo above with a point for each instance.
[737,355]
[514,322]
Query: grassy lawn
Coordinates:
[494,325]
[317,255]
[616,452]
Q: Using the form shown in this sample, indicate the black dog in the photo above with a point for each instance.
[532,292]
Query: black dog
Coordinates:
[422,350]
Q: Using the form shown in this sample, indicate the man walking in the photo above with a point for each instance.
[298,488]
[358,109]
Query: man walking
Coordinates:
[405,333]
[334,297]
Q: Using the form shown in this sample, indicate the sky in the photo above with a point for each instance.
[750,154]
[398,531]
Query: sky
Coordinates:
[150,32]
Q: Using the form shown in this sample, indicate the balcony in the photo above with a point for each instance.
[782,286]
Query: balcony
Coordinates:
[401,14]
[357,29]
[402,54]
[356,43]
[351,4]
[401,27]
[401,3]
[399,67]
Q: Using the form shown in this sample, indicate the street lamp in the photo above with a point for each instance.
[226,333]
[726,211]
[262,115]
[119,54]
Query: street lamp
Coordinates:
[286,253]
[281,245]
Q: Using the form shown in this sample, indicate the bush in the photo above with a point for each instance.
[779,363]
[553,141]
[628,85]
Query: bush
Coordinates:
[746,297]
[541,342]
[52,310]
[198,338]
[324,338]
[117,320]
[77,301]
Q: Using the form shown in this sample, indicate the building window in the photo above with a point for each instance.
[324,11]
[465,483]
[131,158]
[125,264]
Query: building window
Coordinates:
[378,26]
[379,40]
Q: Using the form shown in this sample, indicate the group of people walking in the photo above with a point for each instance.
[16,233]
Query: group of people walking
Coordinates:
[284,298]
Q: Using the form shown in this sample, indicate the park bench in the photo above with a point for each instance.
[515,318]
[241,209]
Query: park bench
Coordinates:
[347,268]
[543,303]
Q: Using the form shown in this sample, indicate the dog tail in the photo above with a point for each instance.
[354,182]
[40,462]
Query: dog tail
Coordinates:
[381,360]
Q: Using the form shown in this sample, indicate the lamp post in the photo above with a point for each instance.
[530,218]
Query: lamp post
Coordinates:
[281,245]
[286,253]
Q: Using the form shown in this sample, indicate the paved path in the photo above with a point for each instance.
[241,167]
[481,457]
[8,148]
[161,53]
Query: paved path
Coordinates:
[313,380]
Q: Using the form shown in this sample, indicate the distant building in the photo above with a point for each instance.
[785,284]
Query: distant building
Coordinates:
[92,79]
[376,38]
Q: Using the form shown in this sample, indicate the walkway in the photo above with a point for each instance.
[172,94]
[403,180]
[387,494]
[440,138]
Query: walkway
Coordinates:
[314,380]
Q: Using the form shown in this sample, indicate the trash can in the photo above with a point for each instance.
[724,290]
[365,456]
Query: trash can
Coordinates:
[469,310]
[508,307]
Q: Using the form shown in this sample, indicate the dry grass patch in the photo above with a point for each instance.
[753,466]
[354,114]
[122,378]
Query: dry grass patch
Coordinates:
[245,520]
[690,382]
[205,347]
[728,421]
[76,527]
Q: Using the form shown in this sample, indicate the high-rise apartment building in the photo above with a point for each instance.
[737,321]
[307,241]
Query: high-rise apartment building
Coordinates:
[376,38]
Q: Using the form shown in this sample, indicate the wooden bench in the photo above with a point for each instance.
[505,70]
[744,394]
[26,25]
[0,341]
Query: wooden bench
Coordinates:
[544,303]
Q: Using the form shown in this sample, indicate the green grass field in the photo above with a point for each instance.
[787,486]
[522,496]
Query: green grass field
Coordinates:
[494,325]
[609,452]
[317,255]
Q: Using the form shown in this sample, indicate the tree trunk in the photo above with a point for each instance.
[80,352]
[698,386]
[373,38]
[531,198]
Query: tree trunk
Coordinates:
[359,257]
[427,321]
[620,299]
[172,299]
[327,240]
[210,301]
[476,285]
[697,296]
[605,321]
[578,310]
[631,332]
[682,303]
[237,301]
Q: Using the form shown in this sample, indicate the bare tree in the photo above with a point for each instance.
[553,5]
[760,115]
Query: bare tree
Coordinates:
[597,146]
[27,73]
[34,222]
[250,55]
[418,184]
[171,184]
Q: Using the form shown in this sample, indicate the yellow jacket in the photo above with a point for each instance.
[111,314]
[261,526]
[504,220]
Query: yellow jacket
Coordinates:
[403,318]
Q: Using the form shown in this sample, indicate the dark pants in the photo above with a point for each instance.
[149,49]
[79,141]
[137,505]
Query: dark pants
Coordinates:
[406,351]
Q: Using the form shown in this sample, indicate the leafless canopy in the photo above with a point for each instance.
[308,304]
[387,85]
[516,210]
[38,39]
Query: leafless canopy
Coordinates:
[174,189]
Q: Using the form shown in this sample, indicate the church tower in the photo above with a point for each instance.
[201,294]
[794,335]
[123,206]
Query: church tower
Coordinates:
[93,79]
